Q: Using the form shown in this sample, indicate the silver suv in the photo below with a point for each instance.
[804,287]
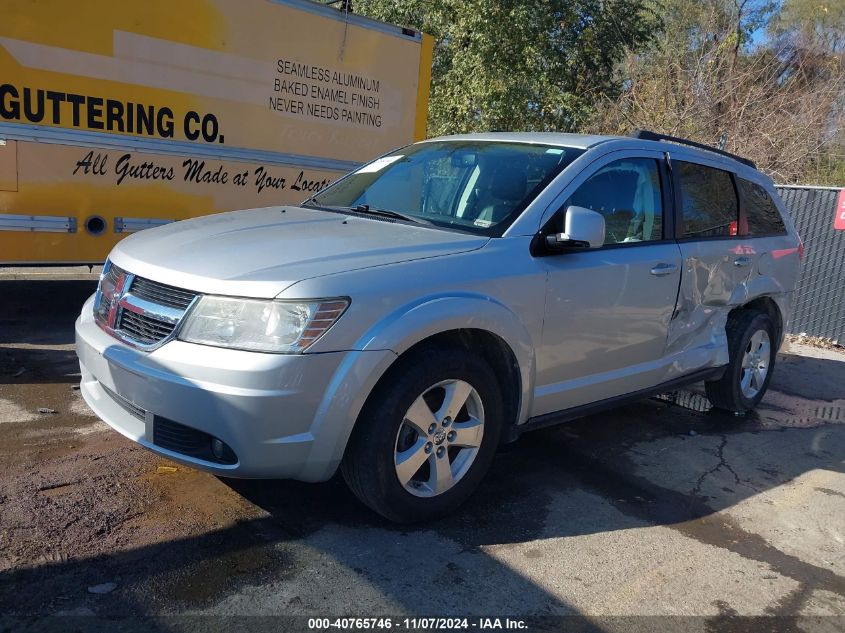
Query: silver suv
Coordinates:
[441,300]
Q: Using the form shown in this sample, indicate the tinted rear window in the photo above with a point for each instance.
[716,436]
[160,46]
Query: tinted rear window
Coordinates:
[761,214]
[708,200]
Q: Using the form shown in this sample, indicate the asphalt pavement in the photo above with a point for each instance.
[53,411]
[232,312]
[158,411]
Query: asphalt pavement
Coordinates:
[660,508]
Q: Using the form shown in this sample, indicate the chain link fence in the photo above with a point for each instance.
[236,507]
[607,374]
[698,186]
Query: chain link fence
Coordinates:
[820,294]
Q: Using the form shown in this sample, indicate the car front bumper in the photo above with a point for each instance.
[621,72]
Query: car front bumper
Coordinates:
[282,415]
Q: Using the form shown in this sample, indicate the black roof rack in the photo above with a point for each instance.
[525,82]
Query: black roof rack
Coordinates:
[647,135]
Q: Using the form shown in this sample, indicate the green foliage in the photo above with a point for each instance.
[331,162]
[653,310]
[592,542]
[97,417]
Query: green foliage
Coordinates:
[827,168]
[780,100]
[693,68]
[521,64]
[819,23]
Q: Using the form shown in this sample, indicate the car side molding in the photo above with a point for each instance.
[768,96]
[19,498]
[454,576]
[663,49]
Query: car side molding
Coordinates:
[559,417]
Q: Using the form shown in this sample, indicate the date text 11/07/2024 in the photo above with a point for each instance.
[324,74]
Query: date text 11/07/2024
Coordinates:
[414,624]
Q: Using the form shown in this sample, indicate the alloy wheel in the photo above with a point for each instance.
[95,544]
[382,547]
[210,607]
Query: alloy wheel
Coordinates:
[755,364]
[439,438]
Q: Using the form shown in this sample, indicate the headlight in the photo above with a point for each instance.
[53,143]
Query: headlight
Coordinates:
[258,325]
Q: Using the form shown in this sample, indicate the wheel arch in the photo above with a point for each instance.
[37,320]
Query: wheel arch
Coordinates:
[476,323]
[494,350]
[469,320]
[767,305]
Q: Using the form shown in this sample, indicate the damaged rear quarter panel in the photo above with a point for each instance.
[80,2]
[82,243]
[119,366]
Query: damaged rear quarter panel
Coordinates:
[710,287]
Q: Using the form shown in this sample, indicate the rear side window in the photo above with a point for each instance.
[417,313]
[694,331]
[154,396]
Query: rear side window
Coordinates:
[761,214]
[708,201]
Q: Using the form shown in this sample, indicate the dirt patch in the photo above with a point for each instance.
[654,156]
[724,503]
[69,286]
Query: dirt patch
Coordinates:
[815,341]
[76,498]
[11,412]
[99,497]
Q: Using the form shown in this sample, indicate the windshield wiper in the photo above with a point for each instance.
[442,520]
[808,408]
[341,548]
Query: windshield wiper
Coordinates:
[387,213]
[368,210]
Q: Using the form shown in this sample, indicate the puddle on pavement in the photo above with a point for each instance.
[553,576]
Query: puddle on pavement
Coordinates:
[722,531]
[768,413]
[211,577]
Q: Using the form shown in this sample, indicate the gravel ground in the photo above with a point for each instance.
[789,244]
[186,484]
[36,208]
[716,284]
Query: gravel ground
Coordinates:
[660,508]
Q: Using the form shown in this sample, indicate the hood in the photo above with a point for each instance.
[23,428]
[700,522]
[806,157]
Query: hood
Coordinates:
[260,252]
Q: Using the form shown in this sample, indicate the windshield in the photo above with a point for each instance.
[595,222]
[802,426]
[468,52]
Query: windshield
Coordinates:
[475,186]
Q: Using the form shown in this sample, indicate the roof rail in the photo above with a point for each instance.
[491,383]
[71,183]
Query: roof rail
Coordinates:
[647,135]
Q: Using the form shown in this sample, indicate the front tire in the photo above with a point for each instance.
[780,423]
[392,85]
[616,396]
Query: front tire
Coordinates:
[751,346]
[426,436]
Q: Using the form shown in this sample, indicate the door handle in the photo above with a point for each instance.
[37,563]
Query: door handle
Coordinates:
[742,261]
[661,270]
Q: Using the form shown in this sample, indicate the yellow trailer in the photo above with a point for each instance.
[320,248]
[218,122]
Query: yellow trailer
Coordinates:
[116,116]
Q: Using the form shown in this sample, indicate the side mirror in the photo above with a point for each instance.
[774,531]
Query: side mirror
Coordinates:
[584,229]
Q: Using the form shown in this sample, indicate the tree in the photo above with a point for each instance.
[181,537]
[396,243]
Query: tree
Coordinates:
[521,64]
[814,32]
[814,23]
[779,102]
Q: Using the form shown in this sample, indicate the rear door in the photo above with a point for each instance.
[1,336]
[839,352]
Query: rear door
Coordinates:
[608,309]
[717,261]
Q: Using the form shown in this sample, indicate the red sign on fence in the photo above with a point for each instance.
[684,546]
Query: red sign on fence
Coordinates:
[839,220]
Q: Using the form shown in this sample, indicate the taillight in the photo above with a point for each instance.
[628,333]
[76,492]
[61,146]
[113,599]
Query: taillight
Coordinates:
[800,249]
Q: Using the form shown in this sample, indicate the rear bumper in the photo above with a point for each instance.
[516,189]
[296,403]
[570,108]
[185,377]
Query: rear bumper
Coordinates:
[283,416]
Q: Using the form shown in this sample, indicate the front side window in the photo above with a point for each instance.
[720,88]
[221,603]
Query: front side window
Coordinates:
[708,201]
[475,186]
[761,214]
[627,193]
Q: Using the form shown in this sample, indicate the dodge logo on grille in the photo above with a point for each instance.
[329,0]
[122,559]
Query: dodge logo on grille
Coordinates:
[114,284]
[120,286]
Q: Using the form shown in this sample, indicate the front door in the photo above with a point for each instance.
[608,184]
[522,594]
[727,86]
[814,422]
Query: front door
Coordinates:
[608,309]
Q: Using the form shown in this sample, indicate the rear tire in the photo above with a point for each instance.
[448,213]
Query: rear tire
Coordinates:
[412,457]
[752,351]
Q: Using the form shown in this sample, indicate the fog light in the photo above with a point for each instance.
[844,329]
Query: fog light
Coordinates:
[218,448]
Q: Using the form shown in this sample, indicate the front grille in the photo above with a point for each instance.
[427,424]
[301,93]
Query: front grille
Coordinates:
[162,294]
[155,320]
[143,329]
[114,273]
[131,408]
